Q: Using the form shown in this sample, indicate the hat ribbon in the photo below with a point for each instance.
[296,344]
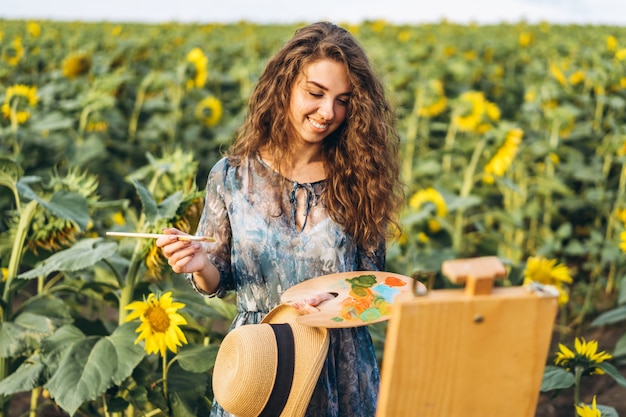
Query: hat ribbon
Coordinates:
[284,371]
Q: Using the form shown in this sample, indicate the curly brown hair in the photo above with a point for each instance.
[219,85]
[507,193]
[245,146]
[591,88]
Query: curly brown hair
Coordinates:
[363,191]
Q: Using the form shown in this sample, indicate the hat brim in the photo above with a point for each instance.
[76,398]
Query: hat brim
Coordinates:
[363,297]
[245,375]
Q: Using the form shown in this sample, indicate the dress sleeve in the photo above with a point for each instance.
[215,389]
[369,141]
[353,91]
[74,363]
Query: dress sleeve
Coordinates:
[215,223]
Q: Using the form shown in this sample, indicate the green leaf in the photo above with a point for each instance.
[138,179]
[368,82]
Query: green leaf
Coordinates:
[69,205]
[54,347]
[606,411]
[179,407]
[24,334]
[609,317]
[53,121]
[84,254]
[613,372]
[50,307]
[197,358]
[622,291]
[556,378]
[620,347]
[10,172]
[26,377]
[189,387]
[168,207]
[224,308]
[92,365]
[150,208]
[464,203]
[63,204]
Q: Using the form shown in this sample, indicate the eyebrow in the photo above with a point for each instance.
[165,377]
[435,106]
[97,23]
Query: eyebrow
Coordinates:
[320,86]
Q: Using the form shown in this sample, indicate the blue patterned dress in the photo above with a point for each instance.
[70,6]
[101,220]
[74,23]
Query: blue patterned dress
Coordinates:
[260,253]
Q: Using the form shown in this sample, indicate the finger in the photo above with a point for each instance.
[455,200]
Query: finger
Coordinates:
[320,298]
[166,240]
[178,251]
[303,307]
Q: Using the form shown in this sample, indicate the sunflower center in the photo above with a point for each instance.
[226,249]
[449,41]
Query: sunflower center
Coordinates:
[158,319]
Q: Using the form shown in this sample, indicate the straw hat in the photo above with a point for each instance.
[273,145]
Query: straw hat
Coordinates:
[271,368]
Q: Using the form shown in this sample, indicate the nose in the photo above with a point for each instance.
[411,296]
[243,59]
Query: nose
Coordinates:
[327,110]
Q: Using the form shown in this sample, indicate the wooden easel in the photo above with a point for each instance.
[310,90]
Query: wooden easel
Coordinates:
[473,352]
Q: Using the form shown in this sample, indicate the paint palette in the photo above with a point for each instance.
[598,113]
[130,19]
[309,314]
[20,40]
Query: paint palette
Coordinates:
[363,297]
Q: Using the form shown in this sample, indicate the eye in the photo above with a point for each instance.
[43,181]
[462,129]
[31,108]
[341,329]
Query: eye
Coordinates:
[315,94]
[343,101]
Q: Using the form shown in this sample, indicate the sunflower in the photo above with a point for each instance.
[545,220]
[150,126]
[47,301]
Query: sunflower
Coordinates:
[557,73]
[52,233]
[504,157]
[18,97]
[198,61]
[584,355]
[76,64]
[548,272]
[159,323]
[525,39]
[34,29]
[436,101]
[475,113]
[577,77]
[14,54]
[430,196]
[584,410]
[611,43]
[209,111]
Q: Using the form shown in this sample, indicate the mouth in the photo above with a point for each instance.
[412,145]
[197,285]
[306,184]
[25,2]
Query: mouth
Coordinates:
[317,125]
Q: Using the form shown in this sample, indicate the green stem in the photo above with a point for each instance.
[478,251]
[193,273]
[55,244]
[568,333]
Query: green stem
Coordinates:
[597,120]
[129,286]
[105,407]
[554,142]
[14,262]
[612,222]
[177,97]
[82,123]
[411,138]
[141,95]
[16,252]
[466,188]
[165,366]
[34,397]
[446,163]
[578,374]
[14,126]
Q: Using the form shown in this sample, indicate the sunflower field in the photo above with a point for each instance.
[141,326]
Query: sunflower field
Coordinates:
[513,145]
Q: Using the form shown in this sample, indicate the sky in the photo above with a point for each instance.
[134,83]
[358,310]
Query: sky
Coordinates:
[595,12]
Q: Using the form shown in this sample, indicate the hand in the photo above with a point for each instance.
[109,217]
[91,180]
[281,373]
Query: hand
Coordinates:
[183,256]
[310,305]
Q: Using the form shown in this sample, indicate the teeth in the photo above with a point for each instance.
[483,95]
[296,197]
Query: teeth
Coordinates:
[319,125]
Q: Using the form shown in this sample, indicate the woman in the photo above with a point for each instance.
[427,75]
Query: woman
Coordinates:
[309,187]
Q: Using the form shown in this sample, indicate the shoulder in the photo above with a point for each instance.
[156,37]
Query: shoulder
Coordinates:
[227,168]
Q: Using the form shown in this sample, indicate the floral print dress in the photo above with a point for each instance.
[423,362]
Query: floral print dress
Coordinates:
[261,252]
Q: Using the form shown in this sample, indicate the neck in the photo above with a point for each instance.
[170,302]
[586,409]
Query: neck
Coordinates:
[306,165]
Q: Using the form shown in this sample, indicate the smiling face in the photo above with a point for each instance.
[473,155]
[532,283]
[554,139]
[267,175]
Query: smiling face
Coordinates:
[319,100]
